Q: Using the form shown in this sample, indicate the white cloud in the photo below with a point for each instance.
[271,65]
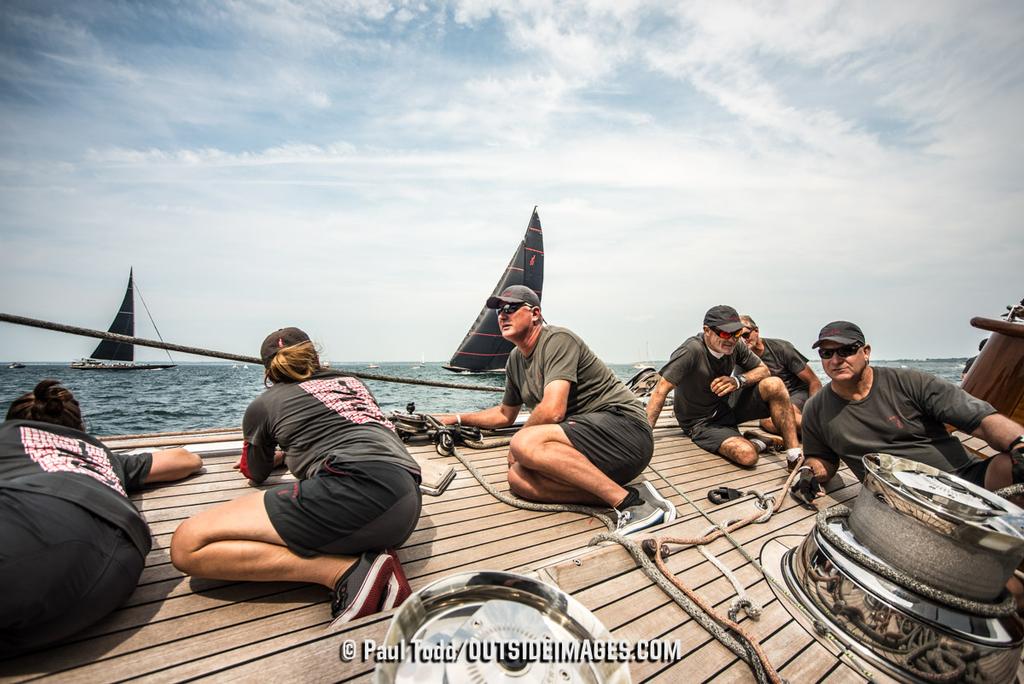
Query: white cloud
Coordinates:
[801,162]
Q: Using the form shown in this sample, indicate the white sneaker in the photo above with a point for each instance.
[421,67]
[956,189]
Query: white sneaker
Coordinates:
[639,516]
[660,501]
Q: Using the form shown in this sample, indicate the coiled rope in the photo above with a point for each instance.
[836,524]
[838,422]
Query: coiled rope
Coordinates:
[1007,607]
[820,627]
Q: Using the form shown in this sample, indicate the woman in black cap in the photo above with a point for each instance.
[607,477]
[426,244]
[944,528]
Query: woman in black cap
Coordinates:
[72,545]
[356,495]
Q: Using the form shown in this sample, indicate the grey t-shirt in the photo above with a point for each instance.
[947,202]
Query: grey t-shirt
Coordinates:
[903,415]
[561,355]
[784,361]
[329,415]
[691,368]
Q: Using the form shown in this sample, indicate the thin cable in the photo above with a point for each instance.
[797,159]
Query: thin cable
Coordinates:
[152,322]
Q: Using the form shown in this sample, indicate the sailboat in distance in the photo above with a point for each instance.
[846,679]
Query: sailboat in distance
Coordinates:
[484,350]
[111,355]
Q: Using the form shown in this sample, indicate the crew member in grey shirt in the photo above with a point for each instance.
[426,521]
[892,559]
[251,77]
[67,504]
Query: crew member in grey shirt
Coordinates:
[718,384]
[587,436]
[787,364]
[900,411]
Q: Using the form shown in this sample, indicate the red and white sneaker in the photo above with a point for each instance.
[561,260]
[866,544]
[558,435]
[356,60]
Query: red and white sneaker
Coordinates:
[397,589]
[362,588]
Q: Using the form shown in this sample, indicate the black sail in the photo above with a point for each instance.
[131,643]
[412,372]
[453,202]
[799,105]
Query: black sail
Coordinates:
[124,324]
[483,348]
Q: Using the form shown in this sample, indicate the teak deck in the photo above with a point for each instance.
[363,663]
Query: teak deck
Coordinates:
[174,628]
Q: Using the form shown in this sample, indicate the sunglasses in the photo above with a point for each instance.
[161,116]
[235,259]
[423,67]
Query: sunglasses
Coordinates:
[727,335]
[844,352]
[748,333]
[509,309]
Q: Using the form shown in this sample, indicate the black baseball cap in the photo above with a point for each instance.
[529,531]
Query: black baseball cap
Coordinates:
[843,332]
[723,318]
[279,339]
[513,295]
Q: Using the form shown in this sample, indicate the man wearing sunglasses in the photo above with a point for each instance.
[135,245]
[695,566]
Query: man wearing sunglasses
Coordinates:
[785,362]
[718,384]
[587,435]
[900,411]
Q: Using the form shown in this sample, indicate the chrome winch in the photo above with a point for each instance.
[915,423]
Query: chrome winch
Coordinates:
[496,627]
[913,577]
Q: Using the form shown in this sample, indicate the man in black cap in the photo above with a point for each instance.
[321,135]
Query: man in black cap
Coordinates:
[587,435]
[785,362]
[899,411]
[719,384]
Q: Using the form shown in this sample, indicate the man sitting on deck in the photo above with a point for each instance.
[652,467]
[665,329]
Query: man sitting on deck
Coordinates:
[899,411]
[787,364]
[710,401]
[587,435]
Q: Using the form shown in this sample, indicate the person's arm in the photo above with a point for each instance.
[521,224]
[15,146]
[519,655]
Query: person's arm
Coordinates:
[259,448]
[495,417]
[813,383]
[998,431]
[727,384]
[173,464]
[657,400]
[553,404]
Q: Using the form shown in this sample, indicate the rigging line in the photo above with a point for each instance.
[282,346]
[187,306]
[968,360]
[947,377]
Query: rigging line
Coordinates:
[152,322]
[197,351]
[592,511]
[820,628]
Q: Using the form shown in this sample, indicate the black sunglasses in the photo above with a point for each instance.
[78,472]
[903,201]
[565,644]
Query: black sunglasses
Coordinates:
[509,309]
[844,352]
[748,333]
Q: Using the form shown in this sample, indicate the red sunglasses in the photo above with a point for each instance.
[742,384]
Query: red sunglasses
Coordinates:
[726,335]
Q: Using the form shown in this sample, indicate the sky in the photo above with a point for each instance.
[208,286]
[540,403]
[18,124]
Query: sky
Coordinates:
[364,169]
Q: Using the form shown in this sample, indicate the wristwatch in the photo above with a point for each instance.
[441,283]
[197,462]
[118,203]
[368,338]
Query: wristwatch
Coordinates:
[1016,444]
[741,380]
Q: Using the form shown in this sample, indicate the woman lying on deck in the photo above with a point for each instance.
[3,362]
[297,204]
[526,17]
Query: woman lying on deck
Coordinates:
[357,493]
[72,545]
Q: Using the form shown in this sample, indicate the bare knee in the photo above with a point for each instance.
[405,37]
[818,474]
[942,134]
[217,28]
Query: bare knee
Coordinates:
[523,448]
[185,542]
[740,451]
[773,388]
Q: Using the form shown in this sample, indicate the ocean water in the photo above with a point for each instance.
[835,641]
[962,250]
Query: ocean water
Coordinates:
[209,395]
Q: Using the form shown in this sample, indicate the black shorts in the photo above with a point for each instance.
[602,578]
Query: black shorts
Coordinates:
[744,404]
[61,569]
[799,398]
[346,508]
[619,444]
[975,472]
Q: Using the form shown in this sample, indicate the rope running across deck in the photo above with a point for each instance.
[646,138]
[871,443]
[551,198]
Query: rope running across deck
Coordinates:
[197,351]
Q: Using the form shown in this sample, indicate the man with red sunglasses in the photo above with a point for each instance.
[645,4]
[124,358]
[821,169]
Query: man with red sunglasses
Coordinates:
[718,384]
[899,411]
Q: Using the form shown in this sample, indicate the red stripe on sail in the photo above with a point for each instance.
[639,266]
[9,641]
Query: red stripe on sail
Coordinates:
[486,334]
[535,230]
[531,249]
[514,268]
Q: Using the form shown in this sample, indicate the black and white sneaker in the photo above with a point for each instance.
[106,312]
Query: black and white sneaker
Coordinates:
[639,516]
[361,590]
[655,497]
